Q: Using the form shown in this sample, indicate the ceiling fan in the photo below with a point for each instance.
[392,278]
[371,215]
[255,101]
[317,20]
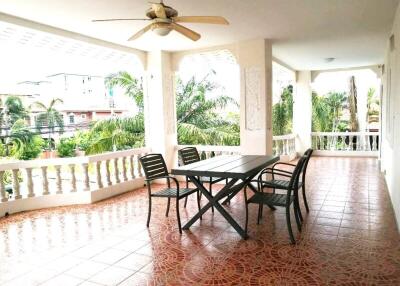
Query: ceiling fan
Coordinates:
[164,19]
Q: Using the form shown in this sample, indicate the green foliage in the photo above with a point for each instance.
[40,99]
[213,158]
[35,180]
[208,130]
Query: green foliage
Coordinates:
[31,150]
[15,110]
[21,139]
[66,147]
[116,134]
[50,117]
[326,112]
[199,118]
[133,86]
[82,140]
[282,113]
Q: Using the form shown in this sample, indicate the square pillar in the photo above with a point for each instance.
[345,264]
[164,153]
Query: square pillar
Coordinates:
[159,106]
[255,60]
[302,111]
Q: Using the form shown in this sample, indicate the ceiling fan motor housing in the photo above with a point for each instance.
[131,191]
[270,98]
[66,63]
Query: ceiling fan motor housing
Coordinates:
[169,11]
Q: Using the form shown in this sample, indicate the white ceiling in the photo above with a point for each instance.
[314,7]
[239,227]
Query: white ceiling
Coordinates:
[304,32]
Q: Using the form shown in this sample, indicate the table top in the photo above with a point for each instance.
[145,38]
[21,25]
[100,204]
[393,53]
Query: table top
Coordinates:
[235,166]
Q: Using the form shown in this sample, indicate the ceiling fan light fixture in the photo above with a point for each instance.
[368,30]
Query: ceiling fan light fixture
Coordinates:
[162,31]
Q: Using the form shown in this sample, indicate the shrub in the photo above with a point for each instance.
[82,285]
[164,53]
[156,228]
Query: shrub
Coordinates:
[31,149]
[83,140]
[66,147]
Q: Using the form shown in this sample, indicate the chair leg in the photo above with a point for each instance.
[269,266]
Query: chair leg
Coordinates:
[167,212]
[297,215]
[212,208]
[247,211]
[259,213]
[178,216]
[304,197]
[198,202]
[149,213]
[299,209]
[289,226]
[187,187]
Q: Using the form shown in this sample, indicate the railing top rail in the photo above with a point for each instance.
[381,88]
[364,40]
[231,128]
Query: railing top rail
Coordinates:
[344,133]
[284,137]
[72,160]
[209,148]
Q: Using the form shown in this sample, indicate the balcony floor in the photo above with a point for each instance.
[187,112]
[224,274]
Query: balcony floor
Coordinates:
[349,237]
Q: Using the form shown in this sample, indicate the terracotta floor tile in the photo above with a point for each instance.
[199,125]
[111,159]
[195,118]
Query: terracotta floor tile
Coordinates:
[348,238]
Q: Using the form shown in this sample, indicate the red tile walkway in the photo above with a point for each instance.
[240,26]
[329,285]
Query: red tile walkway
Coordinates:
[349,238]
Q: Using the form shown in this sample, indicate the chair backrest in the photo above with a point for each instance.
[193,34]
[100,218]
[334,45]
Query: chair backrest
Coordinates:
[294,180]
[189,155]
[308,155]
[154,166]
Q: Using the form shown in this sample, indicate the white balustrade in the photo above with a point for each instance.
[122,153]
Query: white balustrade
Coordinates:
[284,144]
[54,171]
[345,141]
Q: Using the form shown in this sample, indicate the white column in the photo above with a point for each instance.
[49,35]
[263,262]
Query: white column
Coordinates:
[73,178]
[58,179]
[255,60]
[29,182]
[86,182]
[159,101]
[302,111]
[45,181]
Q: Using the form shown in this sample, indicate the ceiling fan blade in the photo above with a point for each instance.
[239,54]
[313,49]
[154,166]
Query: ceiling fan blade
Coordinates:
[202,19]
[140,32]
[121,19]
[159,10]
[185,31]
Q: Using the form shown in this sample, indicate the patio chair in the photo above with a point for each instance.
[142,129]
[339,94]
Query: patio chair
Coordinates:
[189,155]
[155,168]
[302,183]
[291,187]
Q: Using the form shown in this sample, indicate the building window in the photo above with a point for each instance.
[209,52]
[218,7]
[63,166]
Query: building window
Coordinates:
[83,116]
[71,119]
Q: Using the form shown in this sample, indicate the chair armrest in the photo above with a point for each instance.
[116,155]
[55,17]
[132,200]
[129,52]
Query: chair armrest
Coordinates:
[165,177]
[281,163]
[274,173]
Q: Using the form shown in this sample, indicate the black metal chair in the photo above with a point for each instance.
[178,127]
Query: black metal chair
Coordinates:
[302,183]
[189,155]
[155,168]
[276,199]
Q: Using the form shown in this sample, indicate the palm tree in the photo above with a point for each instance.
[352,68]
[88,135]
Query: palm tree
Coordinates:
[14,109]
[49,117]
[116,134]
[282,112]
[199,119]
[354,126]
[335,102]
[133,86]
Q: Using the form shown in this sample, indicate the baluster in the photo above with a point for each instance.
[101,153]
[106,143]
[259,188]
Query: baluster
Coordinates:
[73,178]
[15,184]
[343,143]
[116,171]
[58,179]
[86,182]
[358,144]
[45,181]
[3,196]
[29,182]
[108,174]
[374,142]
[132,167]
[98,175]
[124,170]
[139,166]
[286,142]
[367,143]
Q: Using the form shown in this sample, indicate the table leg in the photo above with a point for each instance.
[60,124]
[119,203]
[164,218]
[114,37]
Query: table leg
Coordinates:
[213,201]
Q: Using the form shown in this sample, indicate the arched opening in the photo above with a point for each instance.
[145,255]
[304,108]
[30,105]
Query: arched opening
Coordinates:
[207,98]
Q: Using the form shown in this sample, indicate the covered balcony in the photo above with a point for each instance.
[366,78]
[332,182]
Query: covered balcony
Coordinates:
[82,220]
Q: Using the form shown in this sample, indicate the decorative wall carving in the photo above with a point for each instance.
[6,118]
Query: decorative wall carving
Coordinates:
[253,92]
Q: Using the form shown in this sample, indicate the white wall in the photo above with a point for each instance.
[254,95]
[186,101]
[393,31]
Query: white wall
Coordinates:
[390,163]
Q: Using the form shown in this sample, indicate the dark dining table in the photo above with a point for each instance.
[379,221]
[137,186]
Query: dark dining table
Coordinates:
[240,170]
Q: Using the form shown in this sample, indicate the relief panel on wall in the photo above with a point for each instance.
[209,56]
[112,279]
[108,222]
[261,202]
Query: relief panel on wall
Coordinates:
[253,91]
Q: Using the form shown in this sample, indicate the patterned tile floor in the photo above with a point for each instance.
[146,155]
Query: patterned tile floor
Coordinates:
[349,238]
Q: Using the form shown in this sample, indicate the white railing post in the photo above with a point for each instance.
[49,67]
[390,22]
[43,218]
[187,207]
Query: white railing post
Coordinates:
[116,171]
[374,142]
[124,170]
[45,181]
[139,166]
[86,182]
[73,177]
[29,182]
[58,179]
[98,175]
[3,196]
[108,174]
[132,166]
[15,184]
